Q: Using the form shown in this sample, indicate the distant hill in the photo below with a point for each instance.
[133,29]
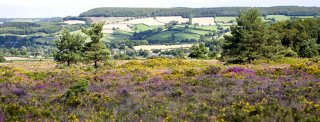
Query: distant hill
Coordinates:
[197,12]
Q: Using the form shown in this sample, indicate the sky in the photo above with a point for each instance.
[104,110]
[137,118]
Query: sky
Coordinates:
[62,8]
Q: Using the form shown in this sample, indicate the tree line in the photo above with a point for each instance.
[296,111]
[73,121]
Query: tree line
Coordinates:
[26,28]
[253,39]
[198,12]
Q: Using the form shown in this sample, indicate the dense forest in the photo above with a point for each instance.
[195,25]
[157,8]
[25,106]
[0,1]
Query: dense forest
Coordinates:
[198,12]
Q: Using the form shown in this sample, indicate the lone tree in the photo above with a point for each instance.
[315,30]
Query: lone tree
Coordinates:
[70,47]
[190,19]
[250,39]
[95,50]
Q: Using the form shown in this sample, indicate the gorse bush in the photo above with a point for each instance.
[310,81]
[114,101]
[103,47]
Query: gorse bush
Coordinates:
[14,112]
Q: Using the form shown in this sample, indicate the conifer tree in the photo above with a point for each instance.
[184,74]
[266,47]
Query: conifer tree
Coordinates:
[95,50]
[70,47]
[250,39]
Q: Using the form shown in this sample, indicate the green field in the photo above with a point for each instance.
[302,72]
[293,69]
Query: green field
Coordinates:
[195,31]
[225,19]
[183,36]
[279,17]
[167,35]
[117,35]
[212,27]
[284,18]
[204,28]
[143,27]
[183,33]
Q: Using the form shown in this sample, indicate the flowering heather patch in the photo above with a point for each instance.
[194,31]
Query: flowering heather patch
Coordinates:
[238,71]
[160,90]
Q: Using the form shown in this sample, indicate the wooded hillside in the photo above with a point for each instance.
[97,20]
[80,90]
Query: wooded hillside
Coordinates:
[197,12]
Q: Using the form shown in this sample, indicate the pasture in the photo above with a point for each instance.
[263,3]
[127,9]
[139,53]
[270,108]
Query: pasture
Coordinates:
[147,21]
[161,47]
[181,32]
[166,35]
[196,31]
[279,17]
[109,20]
[108,28]
[167,19]
[22,59]
[206,21]
[225,19]
[144,27]
[117,35]
[186,36]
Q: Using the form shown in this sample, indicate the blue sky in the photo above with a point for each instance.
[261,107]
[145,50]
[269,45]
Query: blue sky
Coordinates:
[61,8]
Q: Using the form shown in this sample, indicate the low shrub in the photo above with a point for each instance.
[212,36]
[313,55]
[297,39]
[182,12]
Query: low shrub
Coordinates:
[212,70]
[2,59]
[81,87]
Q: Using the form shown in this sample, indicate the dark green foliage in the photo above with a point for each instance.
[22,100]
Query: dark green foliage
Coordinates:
[95,50]
[300,35]
[2,59]
[73,96]
[180,53]
[81,87]
[288,53]
[250,39]
[26,28]
[190,20]
[156,51]
[199,51]
[70,47]
[171,24]
[309,49]
[17,41]
[145,34]
[144,53]
[122,56]
[124,44]
[87,20]
[33,35]
[21,25]
[215,47]
[197,12]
